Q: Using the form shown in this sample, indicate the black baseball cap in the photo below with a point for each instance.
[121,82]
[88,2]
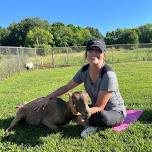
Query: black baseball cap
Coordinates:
[96,43]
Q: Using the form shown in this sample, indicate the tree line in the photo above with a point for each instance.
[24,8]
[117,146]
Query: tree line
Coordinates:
[35,32]
[141,34]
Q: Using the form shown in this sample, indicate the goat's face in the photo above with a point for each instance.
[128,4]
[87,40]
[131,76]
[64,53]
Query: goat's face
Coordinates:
[80,100]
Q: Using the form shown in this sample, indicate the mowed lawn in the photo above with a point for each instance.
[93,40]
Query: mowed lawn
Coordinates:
[135,82]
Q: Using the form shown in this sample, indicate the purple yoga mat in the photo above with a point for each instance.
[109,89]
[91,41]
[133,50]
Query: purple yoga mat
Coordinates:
[132,116]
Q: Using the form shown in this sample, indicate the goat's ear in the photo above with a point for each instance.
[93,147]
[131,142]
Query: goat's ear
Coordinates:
[69,94]
[84,93]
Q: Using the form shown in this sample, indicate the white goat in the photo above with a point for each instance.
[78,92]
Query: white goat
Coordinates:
[29,66]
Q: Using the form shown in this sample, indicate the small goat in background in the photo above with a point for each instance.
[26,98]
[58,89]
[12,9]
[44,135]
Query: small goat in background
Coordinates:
[29,66]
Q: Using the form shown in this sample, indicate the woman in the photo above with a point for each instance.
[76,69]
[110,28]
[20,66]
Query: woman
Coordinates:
[101,84]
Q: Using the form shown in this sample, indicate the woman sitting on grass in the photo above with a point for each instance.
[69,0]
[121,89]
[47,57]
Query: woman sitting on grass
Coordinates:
[101,84]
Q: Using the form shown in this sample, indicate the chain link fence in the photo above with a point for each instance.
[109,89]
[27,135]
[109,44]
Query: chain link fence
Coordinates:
[13,59]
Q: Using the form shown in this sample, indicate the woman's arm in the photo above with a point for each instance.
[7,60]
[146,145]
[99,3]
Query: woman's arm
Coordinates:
[102,99]
[70,85]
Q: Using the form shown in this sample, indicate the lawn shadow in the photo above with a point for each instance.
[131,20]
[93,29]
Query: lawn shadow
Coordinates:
[24,134]
[146,117]
[28,135]
[72,131]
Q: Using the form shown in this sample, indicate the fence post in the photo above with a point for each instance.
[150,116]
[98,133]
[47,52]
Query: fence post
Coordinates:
[36,63]
[137,54]
[112,55]
[67,58]
[8,65]
[18,60]
[53,58]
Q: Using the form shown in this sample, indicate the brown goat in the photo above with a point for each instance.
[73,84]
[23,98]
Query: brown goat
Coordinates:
[57,112]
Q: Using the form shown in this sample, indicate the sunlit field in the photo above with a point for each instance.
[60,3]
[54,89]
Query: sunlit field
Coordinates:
[135,82]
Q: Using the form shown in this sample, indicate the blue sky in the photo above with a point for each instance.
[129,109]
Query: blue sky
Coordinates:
[106,15]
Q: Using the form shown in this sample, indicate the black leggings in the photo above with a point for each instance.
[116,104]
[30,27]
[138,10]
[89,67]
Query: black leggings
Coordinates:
[106,118]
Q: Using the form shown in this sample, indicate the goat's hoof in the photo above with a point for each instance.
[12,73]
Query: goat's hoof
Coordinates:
[55,130]
[7,132]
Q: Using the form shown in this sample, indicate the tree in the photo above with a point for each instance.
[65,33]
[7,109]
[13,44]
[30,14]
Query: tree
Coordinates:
[95,33]
[145,33]
[3,36]
[39,38]
[126,36]
[82,36]
[129,37]
[62,35]
[69,35]
[122,36]
[111,38]
[18,31]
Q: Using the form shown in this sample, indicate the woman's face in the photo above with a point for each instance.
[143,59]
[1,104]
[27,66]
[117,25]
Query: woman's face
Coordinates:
[95,55]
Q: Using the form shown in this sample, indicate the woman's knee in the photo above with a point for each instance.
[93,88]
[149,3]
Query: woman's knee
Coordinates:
[98,120]
[111,118]
[105,119]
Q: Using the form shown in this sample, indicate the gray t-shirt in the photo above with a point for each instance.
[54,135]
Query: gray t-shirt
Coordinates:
[107,81]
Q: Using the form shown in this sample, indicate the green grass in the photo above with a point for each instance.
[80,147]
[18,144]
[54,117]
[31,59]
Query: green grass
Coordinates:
[112,56]
[135,81]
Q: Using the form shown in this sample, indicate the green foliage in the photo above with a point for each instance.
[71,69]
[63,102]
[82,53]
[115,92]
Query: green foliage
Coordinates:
[39,38]
[82,35]
[63,36]
[18,31]
[95,33]
[128,37]
[111,38]
[141,34]
[135,83]
[3,36]
[145,33]
[70,35]
[122,36]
